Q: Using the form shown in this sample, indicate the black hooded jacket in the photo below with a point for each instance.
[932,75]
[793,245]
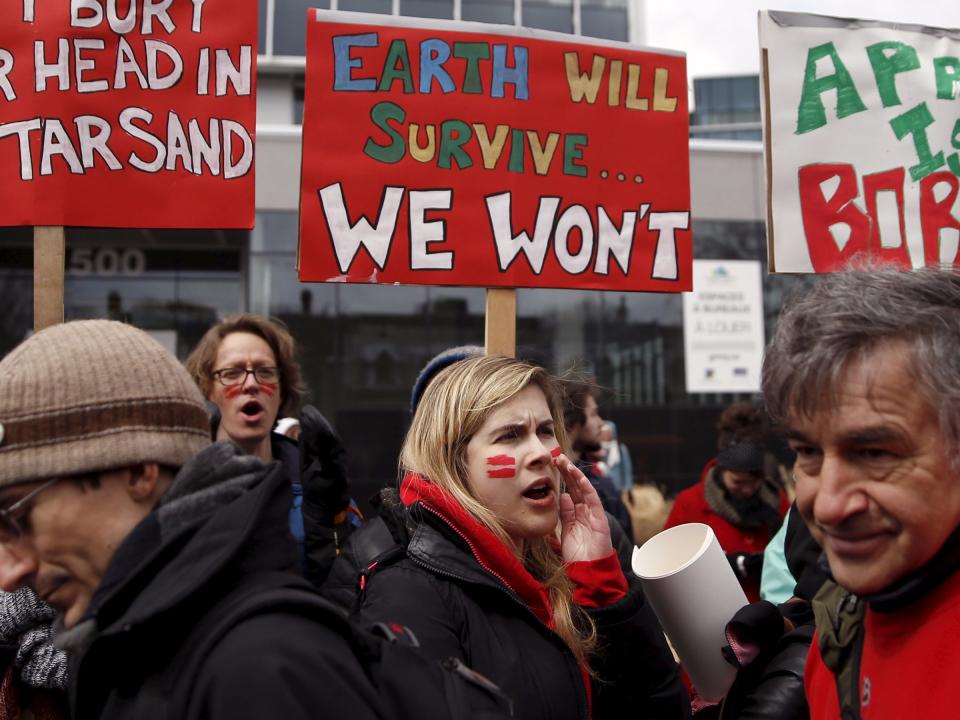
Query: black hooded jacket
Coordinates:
[169,580]
[456,608]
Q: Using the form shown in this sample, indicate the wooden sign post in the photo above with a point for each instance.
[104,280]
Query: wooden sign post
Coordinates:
[48,275]
[501,324]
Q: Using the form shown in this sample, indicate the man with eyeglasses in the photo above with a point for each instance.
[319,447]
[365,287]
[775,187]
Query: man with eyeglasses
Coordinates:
[116,510]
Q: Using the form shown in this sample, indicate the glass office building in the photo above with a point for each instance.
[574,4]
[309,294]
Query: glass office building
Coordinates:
[726,108]
[362,346]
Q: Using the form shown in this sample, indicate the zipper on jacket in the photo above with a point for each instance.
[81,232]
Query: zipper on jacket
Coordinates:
[473,550]
[504,588]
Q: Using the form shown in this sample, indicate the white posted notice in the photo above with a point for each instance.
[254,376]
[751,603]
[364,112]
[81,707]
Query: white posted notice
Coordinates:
[723,334]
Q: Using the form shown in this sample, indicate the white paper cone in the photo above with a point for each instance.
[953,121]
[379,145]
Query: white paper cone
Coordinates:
[694,592]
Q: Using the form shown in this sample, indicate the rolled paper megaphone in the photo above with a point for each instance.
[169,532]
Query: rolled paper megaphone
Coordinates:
[694,593]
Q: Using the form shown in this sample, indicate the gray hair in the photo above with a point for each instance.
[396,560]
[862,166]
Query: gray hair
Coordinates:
[844,317]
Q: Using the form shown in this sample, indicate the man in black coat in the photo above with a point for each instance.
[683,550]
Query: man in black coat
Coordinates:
[115,510]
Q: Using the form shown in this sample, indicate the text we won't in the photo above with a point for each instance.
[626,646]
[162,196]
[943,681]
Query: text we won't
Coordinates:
[837,228]
[600,242]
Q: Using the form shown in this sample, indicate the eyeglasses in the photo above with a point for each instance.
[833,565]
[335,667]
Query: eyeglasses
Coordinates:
[238,376]
[12,529]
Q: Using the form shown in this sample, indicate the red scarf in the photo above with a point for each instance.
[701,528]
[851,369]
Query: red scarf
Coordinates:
[488,550]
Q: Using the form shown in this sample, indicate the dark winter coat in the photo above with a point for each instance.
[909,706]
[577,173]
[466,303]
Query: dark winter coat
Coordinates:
[164,587]
[457,608]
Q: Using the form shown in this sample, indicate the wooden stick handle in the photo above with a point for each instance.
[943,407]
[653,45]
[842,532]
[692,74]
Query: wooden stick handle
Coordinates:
[49,252]
[501,326]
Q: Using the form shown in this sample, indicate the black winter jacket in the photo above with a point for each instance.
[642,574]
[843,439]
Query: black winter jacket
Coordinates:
[772,688]
[456,608]
[160,593]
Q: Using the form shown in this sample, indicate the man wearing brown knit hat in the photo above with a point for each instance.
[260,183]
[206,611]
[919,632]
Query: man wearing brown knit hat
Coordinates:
[117,511]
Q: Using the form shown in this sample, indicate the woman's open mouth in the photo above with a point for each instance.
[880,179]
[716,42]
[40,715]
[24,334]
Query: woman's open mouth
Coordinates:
[540,493]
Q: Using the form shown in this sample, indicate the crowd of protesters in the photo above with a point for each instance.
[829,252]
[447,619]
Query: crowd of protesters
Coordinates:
[169,550]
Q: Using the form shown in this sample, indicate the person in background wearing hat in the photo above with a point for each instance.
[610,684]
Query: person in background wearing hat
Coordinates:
[742,505]
[246,365]
[116,510]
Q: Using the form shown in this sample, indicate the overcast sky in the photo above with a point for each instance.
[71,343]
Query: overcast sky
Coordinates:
[720,36]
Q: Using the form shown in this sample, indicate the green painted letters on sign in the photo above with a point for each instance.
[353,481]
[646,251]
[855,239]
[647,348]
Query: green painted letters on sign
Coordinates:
[888,59]
[915,122]
[811,114]
[947,72]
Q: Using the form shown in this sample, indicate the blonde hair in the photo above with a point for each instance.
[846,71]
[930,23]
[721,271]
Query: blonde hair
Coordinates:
[454,406]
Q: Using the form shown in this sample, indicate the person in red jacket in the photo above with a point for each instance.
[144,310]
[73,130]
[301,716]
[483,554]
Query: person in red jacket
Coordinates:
[743,507]
[864,372]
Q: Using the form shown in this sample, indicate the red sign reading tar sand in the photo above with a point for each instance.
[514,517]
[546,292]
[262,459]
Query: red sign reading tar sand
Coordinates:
[468,154]
[127,113]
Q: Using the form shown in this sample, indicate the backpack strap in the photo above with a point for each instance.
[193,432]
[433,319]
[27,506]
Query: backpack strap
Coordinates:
[840,626]
[381,543]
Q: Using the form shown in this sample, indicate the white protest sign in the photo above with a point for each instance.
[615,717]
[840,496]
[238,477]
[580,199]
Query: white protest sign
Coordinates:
[862,135]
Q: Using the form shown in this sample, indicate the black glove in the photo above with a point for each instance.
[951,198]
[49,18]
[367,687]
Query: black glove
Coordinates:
[746,565]
[753,632]
[323,470]
[213,410]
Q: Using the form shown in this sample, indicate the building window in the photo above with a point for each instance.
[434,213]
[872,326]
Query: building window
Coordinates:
[490,11]
[262,28]
[290,25]
[608,19]
[442,9]
[548,15]
[605,19]
[383,7]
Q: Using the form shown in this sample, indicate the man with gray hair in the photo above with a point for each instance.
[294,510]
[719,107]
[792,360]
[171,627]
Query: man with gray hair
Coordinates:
[864,374]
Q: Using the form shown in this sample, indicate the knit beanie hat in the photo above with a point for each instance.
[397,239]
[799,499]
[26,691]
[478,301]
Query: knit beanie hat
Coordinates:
[436,364]
[745,456]
[94,395]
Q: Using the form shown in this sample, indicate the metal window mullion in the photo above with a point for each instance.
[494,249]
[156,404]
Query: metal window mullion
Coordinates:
[517,12]
[271,9]
[395,7]
[458,9]
[576,17]
[334,4]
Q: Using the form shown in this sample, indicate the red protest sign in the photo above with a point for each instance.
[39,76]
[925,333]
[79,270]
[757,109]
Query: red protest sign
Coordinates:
[465,154]
[127,113]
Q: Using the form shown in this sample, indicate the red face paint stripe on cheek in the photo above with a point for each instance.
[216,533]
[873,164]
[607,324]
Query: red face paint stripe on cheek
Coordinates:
[232,391]
[502,473]
[556,452]
[501,460]
[269,389]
